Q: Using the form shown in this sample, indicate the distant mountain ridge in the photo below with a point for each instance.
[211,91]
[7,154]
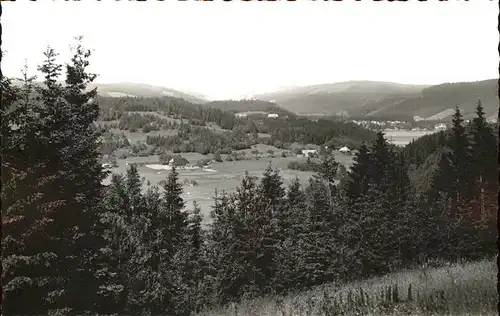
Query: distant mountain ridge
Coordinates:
[349,96]
[354,99]
[139,90]
[386,99]
[238,106]
[124,89]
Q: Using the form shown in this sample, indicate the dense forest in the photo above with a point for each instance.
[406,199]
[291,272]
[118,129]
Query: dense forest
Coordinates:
[114,108]
[388,101]
[250,106]
[191,127]
[71,246]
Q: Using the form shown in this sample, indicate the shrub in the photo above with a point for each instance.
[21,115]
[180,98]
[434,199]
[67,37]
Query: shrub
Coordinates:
[256,153]
[303,166]
[192,183]
[217,157]
[179,161]
[165,158]
[203,162]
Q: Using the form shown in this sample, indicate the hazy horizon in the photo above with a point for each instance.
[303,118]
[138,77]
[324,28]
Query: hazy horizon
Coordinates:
[231,50]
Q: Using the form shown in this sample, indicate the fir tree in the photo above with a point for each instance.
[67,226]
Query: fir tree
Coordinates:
[359,174]
[270,223]
[193,261]
[228,266]
[134,187]
[483,160]
[317,243]
[459,159]
[173,206]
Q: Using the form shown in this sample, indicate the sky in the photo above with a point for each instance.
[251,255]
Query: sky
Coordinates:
[239,48]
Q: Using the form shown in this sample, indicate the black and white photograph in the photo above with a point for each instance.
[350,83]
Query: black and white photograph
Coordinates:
[249,158]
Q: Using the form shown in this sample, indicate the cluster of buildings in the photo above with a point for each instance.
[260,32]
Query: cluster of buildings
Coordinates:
[440,127]
[368,124]
[313,153]
[260,113]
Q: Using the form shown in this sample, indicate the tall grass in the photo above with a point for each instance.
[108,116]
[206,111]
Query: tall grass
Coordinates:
[459,289]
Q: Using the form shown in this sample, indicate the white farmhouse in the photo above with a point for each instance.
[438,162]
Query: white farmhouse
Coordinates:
[309,152]
[345,150]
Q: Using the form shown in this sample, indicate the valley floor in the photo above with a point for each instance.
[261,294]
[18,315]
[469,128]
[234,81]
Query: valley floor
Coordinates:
[220,176]
[459,289]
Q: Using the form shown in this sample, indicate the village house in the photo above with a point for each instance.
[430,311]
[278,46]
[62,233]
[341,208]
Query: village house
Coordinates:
[310,153]
[345,150]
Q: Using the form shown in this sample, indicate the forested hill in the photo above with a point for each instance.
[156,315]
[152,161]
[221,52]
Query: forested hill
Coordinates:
[143,90]
[250,106]
[135,90]
[339,98]
[425,154]
[113,108]
[437,102]
[283,131]
[378,99]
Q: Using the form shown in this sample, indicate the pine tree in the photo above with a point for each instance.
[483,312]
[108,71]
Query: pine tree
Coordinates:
[229,269]
[193,265]
[327,172]
[117,234]
[317,243]
[328,168]
[269,222]
[134,187]
[359,174]
[63,178]
[382,160]
[484,160]
[84,170]
[22,219]
[168,229]
[459,160]
[343,178]
[173,206]
[292,226]
[364,232]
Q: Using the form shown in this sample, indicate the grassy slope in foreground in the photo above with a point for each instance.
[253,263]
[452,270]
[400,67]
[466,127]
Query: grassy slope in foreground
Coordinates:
[461,289]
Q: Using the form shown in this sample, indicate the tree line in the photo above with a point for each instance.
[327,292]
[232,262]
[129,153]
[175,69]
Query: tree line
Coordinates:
[72,246]
[114,109]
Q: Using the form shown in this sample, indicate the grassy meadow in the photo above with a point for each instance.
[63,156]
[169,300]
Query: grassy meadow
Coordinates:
[459,289]
[403,137]
[220,176]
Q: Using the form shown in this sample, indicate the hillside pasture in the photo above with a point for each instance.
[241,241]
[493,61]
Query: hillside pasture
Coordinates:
[139,136]
[220,176]
[403,137]
[459,289]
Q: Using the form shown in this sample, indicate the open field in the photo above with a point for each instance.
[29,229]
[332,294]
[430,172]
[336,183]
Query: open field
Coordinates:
[219,176]
[461,289]
[402,138]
